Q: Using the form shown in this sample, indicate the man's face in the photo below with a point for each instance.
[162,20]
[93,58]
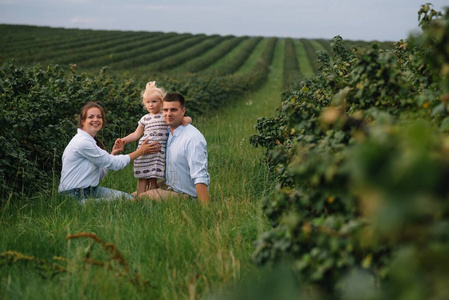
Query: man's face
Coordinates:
[173,113]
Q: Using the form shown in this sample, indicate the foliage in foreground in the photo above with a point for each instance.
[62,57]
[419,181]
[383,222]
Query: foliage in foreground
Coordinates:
[361,157]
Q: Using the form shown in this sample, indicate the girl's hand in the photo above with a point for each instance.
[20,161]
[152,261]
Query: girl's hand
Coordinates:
[118,147]
[186,121]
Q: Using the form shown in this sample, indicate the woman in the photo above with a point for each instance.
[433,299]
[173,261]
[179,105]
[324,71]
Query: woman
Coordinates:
[85,160]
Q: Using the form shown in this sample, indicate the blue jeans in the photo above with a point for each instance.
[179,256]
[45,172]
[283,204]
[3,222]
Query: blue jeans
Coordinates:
[97,193]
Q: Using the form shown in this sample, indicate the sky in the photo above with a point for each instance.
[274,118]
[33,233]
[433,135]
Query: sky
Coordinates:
[381,20]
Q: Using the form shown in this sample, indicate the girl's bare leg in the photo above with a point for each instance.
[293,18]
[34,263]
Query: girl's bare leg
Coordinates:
[152,183]
[141,186]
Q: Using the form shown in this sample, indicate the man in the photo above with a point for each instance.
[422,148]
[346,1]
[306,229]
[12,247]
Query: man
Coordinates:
[186,155]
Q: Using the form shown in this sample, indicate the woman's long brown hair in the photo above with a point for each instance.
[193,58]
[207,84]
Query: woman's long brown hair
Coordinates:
[83,117]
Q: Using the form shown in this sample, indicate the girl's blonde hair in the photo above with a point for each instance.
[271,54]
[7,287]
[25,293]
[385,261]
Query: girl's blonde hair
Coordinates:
[152,89]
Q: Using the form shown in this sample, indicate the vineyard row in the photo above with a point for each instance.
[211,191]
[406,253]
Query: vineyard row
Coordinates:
[144,51]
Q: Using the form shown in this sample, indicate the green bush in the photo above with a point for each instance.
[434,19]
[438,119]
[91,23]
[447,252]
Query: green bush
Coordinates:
[40,107]
[39,115]
[359,152]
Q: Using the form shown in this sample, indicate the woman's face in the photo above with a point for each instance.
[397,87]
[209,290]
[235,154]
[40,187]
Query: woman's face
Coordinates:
[93,122]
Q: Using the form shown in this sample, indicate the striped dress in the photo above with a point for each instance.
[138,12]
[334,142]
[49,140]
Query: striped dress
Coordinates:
[152,165]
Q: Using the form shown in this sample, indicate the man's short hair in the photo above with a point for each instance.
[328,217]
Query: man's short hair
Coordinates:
[175,97]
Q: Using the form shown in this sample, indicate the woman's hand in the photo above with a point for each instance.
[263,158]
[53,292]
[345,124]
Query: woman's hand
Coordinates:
[149,148]
[145,148]
[118,147]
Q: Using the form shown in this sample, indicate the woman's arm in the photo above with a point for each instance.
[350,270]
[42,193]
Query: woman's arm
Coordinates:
[134,136]
[102,159]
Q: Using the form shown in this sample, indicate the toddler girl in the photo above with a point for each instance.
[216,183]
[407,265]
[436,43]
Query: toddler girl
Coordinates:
[149,168]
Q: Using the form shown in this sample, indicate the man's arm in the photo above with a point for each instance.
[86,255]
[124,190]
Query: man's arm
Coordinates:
[202,192]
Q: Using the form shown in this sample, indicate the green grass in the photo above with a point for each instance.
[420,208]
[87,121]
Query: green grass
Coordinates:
[228,57]
[317,46]
[252,59]
[184,249]
[210,57]
[305,67]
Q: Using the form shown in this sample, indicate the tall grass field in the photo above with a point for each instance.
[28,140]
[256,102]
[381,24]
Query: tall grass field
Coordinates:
[175,249]
[328,164]
[184,249]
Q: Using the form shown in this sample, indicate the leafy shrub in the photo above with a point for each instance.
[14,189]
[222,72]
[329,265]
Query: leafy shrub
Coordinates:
[40,107]
[359,152]
[39,113]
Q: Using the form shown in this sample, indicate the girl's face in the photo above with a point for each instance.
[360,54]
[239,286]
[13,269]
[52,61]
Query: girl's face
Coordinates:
[153,104]
[93,122]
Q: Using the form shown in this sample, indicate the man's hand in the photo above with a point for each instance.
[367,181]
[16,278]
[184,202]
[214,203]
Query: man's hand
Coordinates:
[202,192]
